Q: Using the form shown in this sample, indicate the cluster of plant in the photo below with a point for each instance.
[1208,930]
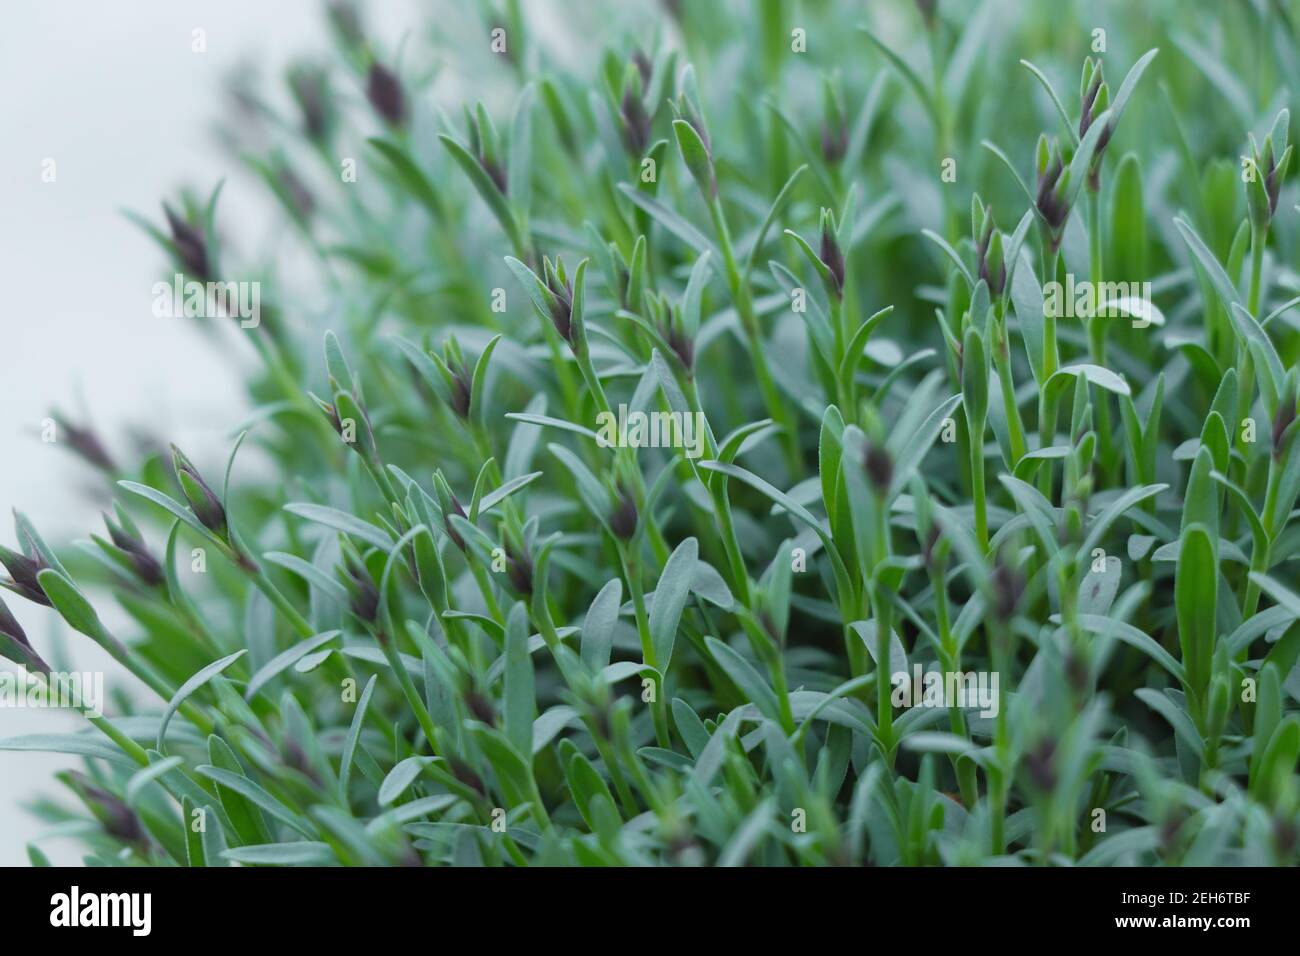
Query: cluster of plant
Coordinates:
[452,625]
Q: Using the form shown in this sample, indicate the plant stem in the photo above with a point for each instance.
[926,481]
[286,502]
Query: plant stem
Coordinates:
[742,297]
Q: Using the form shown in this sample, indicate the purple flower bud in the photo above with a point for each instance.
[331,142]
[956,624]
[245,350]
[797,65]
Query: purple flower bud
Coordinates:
[519,569]
[84,441]
[384,90]
[480,708]
[561,303]
[191,247]
[680,343]
[453,505]
[636,123]
[1008,586]
[10,628]
[461,391]
[1039,765]
[146,566]
[203,501]
[878,466]
[363,594]
[622,520]
[309,86]
[834,143]
[832,257]
[23,570]
[466,775]
[118,819]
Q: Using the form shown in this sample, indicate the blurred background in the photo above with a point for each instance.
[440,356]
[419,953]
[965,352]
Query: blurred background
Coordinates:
[116,96]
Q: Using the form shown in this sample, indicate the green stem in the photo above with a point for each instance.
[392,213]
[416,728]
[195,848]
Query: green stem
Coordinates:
[741,296]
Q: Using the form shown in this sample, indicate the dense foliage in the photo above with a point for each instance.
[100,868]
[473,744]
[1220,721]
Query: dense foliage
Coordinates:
[449,623]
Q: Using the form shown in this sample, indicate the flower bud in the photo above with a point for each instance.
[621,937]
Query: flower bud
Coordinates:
[310,88]
[363,594]
[643,66]
[1049,199]
[486,146]
[83,440]
[116,817]
[1269,168]
[18,644]
[831,255]
[519,569]
[1008,586]
[1040,765]
[23,570]
[989,255]
[146,566]
[480,707]
[561,300]
[878,466]
[190,246]
[678,340]
[634,121]
[203,501]
[384,90]
[623,519]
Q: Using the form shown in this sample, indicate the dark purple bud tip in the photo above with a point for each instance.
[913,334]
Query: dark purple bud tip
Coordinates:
[643,66]
[622,520]
[308,86]
[879,467]
[146,566]
[1008,586]
[191,247]
[519,569]
[465,774]
[480,708]
[834,143]
[561,305]
[202,499]
[329,411]
[363,595]
[832,258]
[1051,206]
[496,174]
[461,391]
[10,628]
[931,541]
[84,441]
[23,570]
[1039,765]
[384,90]
[636,123]
[452,533]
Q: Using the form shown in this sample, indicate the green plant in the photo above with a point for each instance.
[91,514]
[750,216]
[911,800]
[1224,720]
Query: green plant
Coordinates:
[457,626]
